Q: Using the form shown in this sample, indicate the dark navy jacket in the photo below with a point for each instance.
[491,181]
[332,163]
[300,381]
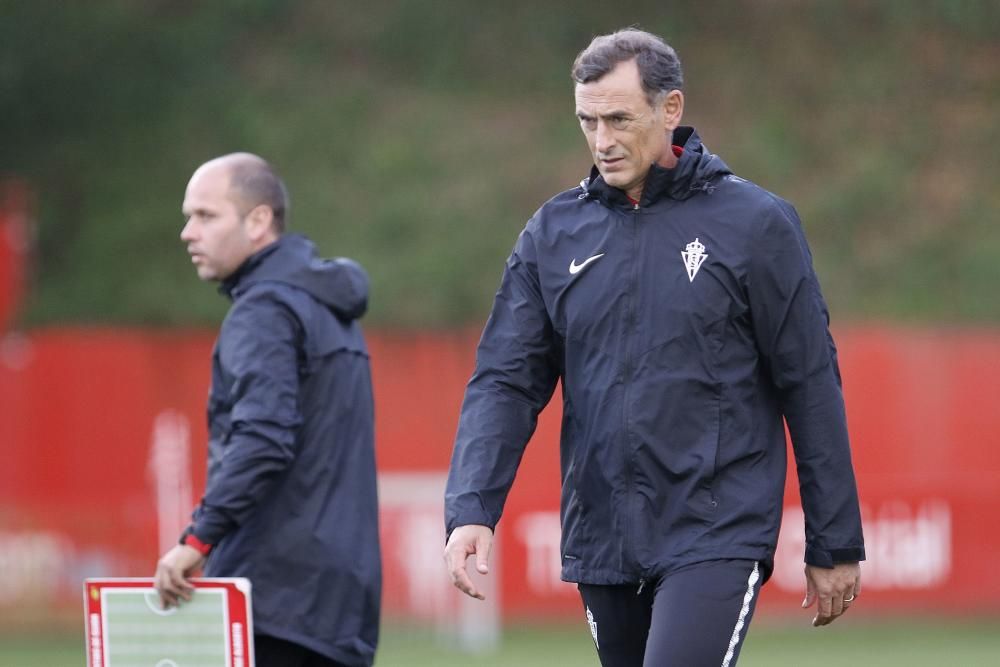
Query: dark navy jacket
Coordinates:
[290,500]
[683,328]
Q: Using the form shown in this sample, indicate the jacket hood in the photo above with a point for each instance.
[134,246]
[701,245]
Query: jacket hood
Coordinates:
[695,171]
[340,283]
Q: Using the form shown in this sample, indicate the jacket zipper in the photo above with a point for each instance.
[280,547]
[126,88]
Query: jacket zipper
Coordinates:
[630,308]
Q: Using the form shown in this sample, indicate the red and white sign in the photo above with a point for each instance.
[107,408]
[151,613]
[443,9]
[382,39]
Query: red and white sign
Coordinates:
[921,406]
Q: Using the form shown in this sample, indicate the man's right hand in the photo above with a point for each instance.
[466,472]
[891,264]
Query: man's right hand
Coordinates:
[172,572]
[465,541]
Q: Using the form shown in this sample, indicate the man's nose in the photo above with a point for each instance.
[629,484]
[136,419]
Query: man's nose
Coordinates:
[187,232]
[605,137]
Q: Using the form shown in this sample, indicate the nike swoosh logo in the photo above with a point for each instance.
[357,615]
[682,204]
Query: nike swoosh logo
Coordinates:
[575,268]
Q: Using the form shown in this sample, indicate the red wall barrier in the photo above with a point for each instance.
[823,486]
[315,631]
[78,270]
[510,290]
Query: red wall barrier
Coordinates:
[103,438]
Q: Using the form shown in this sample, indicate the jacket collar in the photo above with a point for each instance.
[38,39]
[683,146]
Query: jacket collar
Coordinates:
[229,286]
[694,172]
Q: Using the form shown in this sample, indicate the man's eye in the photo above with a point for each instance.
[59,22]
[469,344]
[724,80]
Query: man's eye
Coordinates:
[588,123]
[619,122]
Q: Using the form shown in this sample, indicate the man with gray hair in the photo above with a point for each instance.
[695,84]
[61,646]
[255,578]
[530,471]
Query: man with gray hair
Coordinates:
[678,305]
[290,500]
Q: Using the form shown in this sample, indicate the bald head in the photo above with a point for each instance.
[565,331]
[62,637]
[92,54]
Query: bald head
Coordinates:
[252,183]
[234,206]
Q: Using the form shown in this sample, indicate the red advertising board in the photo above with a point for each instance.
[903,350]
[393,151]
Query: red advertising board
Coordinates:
[103,436]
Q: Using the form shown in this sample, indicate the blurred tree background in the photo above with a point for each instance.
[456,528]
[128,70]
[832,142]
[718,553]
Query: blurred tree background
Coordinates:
[418,137]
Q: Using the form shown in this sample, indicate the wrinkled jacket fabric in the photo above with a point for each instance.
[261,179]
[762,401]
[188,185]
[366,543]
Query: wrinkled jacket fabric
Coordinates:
[683,328]
[290,499]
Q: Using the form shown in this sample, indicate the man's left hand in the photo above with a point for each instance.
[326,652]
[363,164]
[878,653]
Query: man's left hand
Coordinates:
[833,589]
[172,572]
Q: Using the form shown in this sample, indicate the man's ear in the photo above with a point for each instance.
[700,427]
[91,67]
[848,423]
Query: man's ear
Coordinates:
[260,223]
[673,110]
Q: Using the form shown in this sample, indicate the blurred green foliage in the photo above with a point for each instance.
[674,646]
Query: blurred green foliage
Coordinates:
[419,136]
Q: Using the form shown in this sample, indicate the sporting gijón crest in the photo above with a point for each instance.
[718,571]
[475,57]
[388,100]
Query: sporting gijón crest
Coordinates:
[694,256]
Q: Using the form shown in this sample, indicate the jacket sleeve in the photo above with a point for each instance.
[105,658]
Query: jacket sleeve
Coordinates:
[516,373]
[791,322]
[258,348]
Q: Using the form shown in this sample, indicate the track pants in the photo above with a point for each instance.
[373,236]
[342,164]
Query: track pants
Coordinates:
[696,616]
[273,652]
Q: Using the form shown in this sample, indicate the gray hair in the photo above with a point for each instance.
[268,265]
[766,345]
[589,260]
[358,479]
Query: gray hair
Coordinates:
[659,67]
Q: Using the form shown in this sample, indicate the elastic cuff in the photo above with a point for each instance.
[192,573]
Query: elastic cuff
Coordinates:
[848,555]
[829,557]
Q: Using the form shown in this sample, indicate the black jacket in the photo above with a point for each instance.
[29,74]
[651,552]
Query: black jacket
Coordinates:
[290,500]
[683,328]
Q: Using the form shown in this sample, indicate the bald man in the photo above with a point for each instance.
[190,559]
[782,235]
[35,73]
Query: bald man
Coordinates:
[290,499]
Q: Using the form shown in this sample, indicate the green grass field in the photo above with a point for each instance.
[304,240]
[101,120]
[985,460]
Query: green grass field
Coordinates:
[862,642]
